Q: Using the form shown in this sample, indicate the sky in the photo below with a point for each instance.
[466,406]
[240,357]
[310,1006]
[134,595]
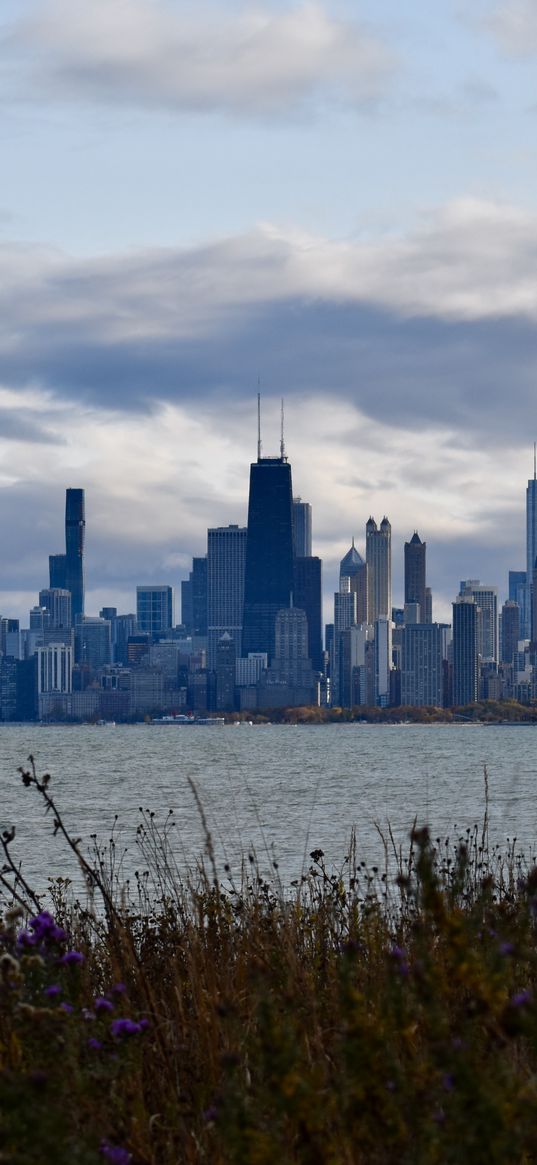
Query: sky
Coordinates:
[337,202]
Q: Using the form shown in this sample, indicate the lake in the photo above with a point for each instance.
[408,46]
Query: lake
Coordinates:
[279,789]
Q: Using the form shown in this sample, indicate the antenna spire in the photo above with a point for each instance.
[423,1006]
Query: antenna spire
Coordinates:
[282,438]
[258,425]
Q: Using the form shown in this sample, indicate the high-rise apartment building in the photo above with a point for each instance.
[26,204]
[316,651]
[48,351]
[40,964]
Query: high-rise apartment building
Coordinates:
[510,630]
[465,650]
[93,642]
[353,567]
[301,528]
[415,587]
[268,584]
[422,674]
[194,599]
[226,554]
[379,569]
[486,598]
[154,609]
[58,604]
[307,596]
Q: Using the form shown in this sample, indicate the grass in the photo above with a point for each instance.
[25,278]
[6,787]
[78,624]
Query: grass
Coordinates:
[352,1018]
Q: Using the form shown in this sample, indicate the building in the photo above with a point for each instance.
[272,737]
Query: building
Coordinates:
[415,588]
[422,667]
[378,554]
[225,673]
[290,680]
[194,599]
[344,617]
[301,528]
[8,687]
[353,567]
[510,631]
[226,554]
[486,598]
[465,650]
[93,642]
[57,602]
[154,609]
[531,546]
[308,597]
[75,532]
[268,583]
[383,661]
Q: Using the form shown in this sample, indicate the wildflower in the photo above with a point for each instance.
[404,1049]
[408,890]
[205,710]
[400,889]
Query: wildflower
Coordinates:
[125,1027]
[119,988]
[102,1004]
[210,1114]
[67,1007]
[398,954]
[95,1045]
[115,1153]
[52,991]
[71,958]
[521,999]
[87,1014]
[506,949]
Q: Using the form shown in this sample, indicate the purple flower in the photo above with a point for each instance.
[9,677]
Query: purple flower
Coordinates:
[115,1154]
[521,999]
[95,1045]
[45,929]
[210,1114]
[52,991]
[506,948]
[67,1007]
[25,939]
[125,1027]
[102,1004]
[71,958]
[119,988]
[399,957]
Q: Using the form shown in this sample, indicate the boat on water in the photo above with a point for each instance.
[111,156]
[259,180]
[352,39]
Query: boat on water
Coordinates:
[182,720]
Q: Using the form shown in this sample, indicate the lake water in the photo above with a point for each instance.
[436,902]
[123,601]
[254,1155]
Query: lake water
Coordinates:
[280,789]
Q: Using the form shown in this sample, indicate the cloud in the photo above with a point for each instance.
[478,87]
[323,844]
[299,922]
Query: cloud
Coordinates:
[152,54]
[514,24]
[422,329]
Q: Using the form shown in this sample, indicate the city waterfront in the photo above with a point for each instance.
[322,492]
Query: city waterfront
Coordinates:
[280,790]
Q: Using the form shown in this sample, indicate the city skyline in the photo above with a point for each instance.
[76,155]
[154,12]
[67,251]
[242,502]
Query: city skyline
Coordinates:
[336,200]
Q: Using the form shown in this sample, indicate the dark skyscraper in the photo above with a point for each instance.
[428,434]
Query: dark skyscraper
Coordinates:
[301,528]
[415,589]
[307,596]
[75,527]
[66,571]
[268,584]
[465,655]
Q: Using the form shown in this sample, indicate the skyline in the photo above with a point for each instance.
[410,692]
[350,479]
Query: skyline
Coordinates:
[148,576]
[337,200]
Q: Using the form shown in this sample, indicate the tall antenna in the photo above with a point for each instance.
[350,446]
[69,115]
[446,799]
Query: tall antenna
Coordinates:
[259,426]
[282,438]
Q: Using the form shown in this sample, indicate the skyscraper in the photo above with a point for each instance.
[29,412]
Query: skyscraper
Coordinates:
[75,527]
[465,650]
[422,665]
[510,630]
[307,596]
[301,528]
[379,569]
[415,588]
[268,583]
[353,567]
[66,571]
[154,609]
[486,598]
[226,549]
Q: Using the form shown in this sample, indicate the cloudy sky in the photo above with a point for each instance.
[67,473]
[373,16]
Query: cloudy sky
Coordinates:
[338,199]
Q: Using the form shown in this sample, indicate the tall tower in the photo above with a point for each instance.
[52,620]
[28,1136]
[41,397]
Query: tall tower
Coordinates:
[378,554]
[268,580]
[301,528]
[226,547]
[465,650]
[353,567]
[75,527]
[531,545]
[415,588]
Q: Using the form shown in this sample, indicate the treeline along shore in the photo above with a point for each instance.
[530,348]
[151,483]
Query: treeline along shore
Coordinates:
[360,1015]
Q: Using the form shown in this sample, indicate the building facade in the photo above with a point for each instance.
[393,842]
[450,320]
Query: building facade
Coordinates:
[226,555]
[379,569]
[268,584]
